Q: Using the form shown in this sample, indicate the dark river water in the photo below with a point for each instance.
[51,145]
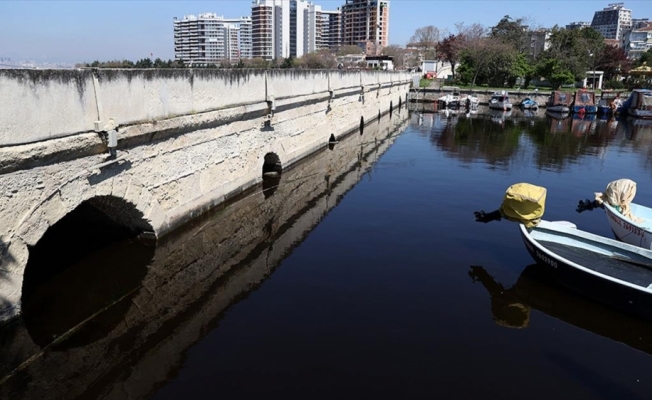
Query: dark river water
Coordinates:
[362,274]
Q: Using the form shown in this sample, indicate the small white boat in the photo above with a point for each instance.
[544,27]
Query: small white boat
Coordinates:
[630,222]
[637,233]
[500,101]
[605,269]
[451,99]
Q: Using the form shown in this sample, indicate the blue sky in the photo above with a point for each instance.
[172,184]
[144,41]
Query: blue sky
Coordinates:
[87,30]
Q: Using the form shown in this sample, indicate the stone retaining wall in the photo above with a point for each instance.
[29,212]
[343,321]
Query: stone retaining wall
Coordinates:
[187,141]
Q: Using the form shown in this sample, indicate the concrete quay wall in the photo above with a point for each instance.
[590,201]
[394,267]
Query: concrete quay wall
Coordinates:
[187,141]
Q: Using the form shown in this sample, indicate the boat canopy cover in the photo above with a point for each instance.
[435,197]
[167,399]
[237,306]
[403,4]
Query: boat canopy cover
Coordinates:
[644,101]
[584,98]
[559,97]
[524,203]
[619,194]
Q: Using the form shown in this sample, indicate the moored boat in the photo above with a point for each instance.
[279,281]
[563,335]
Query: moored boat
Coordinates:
[470,102]
[630,222]
[584,102]
[639,104]
[529,104]
[616,273]
[600,267]
[559,102]
[604,109]
[451,99]
[500,101]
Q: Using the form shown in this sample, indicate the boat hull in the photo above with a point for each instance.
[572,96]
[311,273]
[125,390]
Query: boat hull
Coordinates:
[559,109]
[585,109]
[628,231]
[604,291]
[500,106]
[644,114]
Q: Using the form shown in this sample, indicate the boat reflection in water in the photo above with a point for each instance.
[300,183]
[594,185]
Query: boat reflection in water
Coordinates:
[499,116]
[559,122]
[637,129]
[583,124]
[536,289]
[179,289]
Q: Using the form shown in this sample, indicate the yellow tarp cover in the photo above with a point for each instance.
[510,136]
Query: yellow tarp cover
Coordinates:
[524,203]
[619,194]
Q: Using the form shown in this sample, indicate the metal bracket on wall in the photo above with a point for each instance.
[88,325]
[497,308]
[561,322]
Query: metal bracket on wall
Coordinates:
[109,131]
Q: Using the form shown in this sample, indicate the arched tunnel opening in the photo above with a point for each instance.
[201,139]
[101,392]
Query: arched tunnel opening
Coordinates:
[272,170]
[85,269]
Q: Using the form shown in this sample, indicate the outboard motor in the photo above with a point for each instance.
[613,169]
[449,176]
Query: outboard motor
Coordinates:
[523,203]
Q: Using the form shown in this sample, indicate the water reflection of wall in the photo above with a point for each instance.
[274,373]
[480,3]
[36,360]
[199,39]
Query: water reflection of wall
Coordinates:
[195,275]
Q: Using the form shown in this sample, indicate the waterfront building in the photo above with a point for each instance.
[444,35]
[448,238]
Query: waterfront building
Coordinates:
[612,21]
[578,25]
[263,29]
[279,28]
[366,23]
[638,40]
[211,39]
[539,41]
[322,29]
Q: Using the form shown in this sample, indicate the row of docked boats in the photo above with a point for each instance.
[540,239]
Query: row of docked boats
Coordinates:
[583,101]
[615,272]
[638,104]
[455,99]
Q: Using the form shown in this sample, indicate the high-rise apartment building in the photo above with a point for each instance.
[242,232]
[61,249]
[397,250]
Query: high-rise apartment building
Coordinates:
[298,11]
[271,28]
[262,31]
[366,22]
[578,25]
[612,21]
[210,39]
[284,28]
[322,29]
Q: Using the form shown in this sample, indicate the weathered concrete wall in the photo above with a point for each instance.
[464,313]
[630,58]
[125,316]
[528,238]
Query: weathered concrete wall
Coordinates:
[188,140]
[196,274]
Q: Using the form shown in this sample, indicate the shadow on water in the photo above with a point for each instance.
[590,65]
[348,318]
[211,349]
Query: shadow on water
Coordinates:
[537,289]
[163,300]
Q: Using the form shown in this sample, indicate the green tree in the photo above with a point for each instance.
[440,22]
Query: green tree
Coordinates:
[523,68]
[288,62]
[555,72]
[512,32]
[144,63]
[574,50]
[158,63]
